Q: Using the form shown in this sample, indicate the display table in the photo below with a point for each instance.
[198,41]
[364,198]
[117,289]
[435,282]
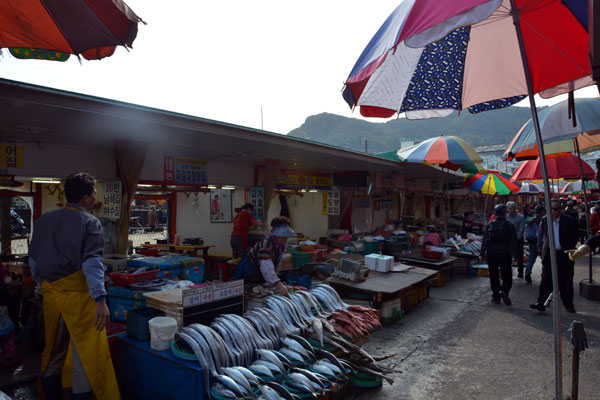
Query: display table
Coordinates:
[144,373]
[411,286]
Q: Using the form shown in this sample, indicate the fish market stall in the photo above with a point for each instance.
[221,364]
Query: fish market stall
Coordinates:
[306,344]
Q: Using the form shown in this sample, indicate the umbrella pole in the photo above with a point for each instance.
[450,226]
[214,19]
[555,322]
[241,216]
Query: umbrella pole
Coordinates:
[549,223]
[587,214]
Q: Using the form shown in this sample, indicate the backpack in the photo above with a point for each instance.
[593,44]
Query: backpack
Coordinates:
[531,231]
[498,233]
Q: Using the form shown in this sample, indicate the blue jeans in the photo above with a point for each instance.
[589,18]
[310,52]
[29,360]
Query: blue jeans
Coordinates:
[532,257]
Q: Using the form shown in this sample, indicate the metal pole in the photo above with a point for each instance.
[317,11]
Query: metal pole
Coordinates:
[587,215]
[549,223]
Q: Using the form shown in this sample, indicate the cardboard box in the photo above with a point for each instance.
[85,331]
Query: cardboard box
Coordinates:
[378,262]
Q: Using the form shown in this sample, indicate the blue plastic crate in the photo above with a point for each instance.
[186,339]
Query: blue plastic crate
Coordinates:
[125,293]
[169,266]
[119,307]
[194,273]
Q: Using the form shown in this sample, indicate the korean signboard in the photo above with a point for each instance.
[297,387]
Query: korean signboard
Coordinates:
[189,171]
[11,156]
[111,203]
[291,179]
[331,202]
[210,293]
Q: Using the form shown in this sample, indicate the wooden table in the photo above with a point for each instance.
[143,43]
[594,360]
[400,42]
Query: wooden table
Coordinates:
[441,266]
[18,269]
[410,286]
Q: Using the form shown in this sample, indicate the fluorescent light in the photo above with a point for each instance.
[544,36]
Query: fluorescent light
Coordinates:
[144,185]
[211,187]
[313,191]
[45,181]
[228,188]
[302,190]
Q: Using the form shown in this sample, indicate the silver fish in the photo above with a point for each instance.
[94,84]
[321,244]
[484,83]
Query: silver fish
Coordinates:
[297,347]
[283,392]
[304,343]
[329,365]
[200,356]
[273,367]
[230,384]
[323,369]
[238,377]
[319,381]
[204,347]
[252,379]
[292,355]
[223,391]
[269,393]
[317,328]
[260,369]
[302,380]
[269,356]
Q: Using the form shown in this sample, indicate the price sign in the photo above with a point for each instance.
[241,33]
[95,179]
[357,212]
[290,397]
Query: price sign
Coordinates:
[210,293]
[333,202]
[256,197]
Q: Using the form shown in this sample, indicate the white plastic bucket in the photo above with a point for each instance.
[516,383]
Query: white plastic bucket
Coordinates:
[162,332]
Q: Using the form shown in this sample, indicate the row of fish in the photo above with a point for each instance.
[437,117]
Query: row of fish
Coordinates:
[269,341]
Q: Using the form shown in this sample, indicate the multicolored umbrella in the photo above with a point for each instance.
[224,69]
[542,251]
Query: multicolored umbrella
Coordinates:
[494,182]
[432,57]
[558,168]
[577,188]
[447,151]
[51,30]
[530,188]
[559,134]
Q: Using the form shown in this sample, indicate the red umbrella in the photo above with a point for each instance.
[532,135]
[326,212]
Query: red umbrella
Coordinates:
[52,30]
[558,168]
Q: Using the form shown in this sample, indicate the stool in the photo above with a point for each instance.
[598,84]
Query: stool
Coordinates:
[219,266]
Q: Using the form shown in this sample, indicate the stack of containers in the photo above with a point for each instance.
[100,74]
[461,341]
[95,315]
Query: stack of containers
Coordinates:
[191,268]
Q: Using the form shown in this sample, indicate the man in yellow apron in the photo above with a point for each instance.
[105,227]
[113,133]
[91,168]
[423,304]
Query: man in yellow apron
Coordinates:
[66,258]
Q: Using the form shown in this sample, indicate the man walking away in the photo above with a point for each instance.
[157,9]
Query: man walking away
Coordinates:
[518,222]
[565,238]
[531,237]
[499,242]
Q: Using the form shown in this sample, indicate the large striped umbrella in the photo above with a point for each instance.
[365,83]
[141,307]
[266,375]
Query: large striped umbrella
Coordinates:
[447,151]
[563,131]
[494,182]
[531,188]
[577,188]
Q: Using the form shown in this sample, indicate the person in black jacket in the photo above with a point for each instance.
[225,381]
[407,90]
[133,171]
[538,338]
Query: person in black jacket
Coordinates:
[498,246]
[566,235]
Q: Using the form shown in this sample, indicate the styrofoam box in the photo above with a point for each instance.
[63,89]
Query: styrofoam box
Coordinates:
[378,262]
[390,308]
[444,250]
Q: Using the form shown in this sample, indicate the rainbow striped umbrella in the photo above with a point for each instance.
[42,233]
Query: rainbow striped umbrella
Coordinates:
[448,151]
[494,182]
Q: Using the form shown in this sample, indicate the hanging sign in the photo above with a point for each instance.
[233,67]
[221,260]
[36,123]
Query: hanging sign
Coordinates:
[291,179]
[331,202]
[111,204]
[189,171]
[386,204]
[362,202]
[11,156]
[256,197]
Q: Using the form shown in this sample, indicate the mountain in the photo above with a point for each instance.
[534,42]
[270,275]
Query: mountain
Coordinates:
[490,127]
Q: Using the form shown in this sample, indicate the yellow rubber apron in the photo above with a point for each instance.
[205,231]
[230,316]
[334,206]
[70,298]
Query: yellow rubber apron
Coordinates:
[69,297]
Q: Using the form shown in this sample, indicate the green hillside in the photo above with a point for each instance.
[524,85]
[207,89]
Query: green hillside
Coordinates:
[491,127]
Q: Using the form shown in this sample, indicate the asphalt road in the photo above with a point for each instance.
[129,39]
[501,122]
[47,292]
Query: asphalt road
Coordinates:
[459,345]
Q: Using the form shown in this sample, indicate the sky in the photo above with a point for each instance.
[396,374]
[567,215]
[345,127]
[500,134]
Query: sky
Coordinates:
[264,64]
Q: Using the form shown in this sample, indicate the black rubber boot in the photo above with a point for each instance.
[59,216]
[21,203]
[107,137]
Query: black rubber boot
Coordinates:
[52,386]
[528,278]
[81,396]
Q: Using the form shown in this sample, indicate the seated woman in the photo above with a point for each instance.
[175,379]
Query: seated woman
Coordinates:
[258,265]
[432,238]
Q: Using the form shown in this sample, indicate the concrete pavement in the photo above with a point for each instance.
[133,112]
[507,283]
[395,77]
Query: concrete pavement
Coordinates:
[459,345]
